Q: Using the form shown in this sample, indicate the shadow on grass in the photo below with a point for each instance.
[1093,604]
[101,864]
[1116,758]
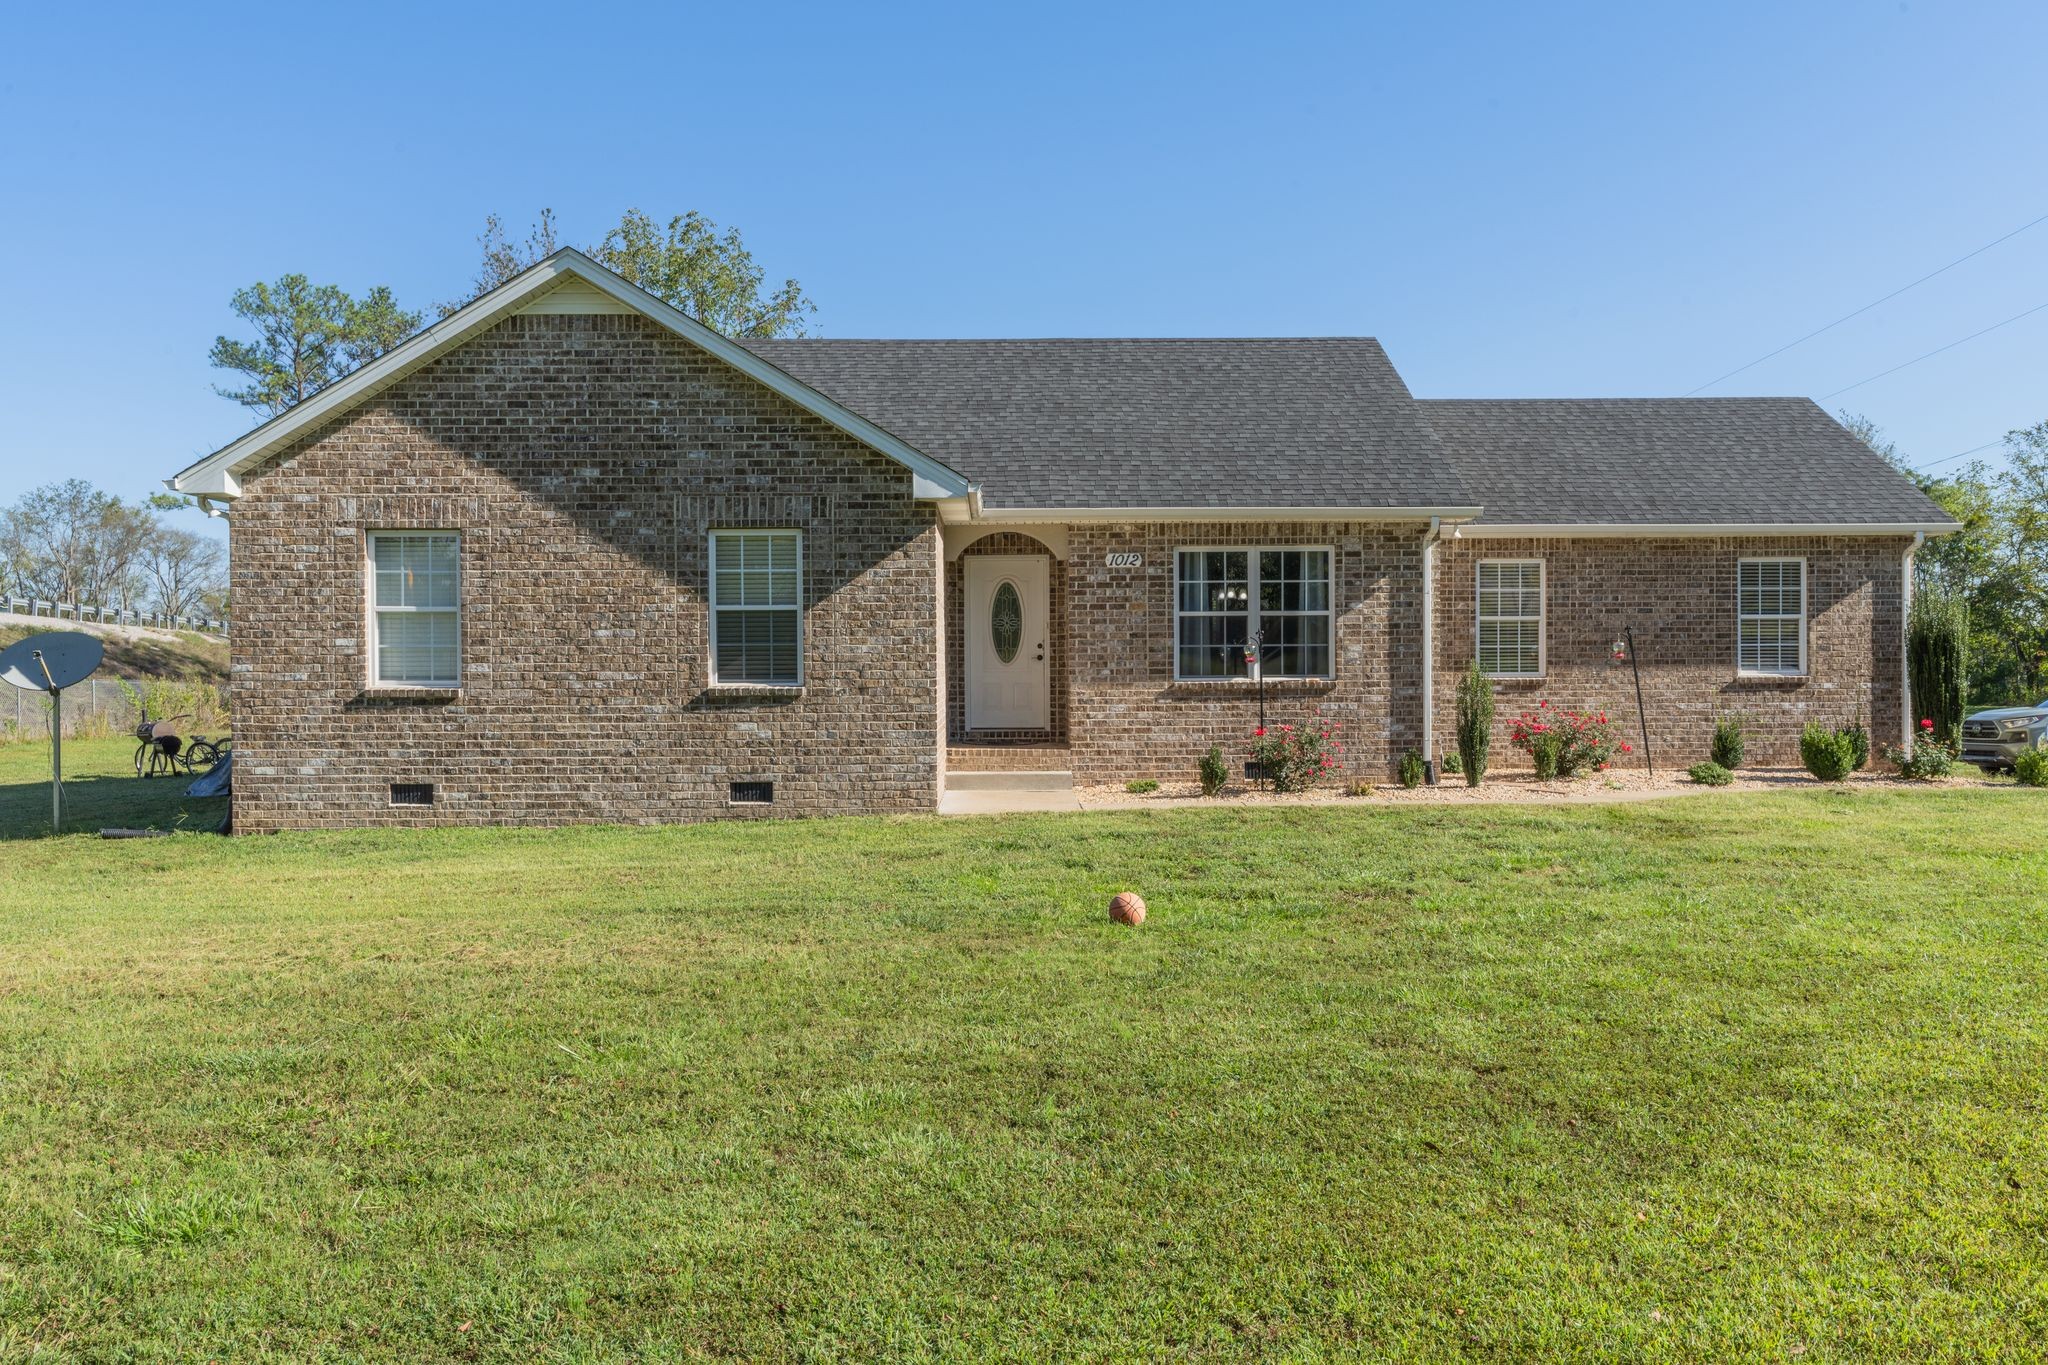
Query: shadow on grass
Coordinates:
[96,801]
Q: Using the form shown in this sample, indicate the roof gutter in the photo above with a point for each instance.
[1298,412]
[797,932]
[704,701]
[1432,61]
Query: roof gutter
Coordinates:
[1045,515]
[1587,530]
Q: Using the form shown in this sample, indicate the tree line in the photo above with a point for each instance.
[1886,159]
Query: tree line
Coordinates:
[71,542]
[1997,565]
[308,335]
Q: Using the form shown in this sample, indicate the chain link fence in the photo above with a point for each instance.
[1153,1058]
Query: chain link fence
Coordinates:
[104,706]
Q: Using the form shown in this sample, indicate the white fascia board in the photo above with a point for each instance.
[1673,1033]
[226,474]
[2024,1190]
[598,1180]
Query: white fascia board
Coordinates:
[1653,530]
[218,474]
[1068,515]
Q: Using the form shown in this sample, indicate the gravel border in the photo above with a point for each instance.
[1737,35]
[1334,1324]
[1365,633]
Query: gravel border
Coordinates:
[1504,788]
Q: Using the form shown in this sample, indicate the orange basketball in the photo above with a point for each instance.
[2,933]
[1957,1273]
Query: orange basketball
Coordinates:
[1125,907]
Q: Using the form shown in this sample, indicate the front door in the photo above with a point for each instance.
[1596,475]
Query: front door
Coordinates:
[1009,681]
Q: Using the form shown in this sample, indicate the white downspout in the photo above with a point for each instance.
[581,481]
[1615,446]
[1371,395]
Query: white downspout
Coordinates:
[1429,539]
[1905,652]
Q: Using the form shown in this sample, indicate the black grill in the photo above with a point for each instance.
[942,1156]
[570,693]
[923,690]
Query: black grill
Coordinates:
[1979,729]
[412,793]
[751,793]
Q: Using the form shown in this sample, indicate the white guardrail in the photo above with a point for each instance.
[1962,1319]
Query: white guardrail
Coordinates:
[109,616]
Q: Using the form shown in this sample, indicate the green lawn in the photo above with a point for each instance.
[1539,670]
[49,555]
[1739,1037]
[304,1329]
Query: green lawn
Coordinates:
[1724,1077]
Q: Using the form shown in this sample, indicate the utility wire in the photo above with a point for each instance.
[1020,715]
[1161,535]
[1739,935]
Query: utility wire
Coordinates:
[1868,306]
[1935,352]
[1950,459]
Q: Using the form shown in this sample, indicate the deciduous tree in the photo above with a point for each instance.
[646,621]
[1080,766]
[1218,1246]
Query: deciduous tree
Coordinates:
[708,274]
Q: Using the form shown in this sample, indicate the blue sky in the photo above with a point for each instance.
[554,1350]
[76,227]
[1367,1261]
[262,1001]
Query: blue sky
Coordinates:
[1519,200]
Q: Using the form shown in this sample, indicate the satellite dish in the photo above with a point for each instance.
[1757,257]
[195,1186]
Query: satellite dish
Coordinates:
[44,663]
[50,663]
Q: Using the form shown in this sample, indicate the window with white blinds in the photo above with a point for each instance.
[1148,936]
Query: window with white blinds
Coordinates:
[757,607]
[1770,616]
[416,611]
[1510,639]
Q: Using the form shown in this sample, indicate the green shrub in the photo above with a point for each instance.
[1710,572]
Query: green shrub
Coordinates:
[1930,758]
[1411,769]
[1710,774]
[1937,641]
[1729,733]
[1475,723]
[1453,765]
[2031,768]
[1859,744]
[1213,771]
[1829,754]
[1141,786]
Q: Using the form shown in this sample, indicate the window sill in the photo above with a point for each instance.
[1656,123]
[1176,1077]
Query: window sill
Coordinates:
[1742,675]
[764,691]
[380,692]
[1251,684]
[1515,677]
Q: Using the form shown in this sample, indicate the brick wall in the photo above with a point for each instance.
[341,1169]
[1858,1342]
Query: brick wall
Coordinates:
[1679,596]
[584,460]
[1129,719]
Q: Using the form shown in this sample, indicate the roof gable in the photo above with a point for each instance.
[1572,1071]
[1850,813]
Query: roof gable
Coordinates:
[576,283]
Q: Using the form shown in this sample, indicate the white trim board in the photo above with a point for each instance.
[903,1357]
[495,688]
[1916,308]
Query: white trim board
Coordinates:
[219,474]
[1075,515]
[1650,530]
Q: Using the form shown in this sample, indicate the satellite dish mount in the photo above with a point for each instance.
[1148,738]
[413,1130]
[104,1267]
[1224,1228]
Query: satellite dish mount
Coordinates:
[50,663]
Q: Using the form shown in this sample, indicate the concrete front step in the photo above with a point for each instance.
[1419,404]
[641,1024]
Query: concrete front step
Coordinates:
[989,758]
[1012,781]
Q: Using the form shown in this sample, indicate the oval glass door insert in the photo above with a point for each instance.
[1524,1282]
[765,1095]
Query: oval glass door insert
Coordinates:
[1006,621]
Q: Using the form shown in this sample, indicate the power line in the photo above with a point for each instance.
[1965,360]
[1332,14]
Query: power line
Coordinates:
[1868,306]
[1936,351]
[1950,459]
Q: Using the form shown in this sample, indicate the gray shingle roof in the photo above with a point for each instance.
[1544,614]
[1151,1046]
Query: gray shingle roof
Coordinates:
[1669,460]
[1327,422]
[1063,423]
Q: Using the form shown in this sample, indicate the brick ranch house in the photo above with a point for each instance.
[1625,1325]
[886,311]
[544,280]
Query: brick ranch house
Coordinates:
[568,555]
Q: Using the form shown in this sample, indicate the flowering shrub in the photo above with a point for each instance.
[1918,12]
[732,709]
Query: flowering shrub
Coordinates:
[1930,757]
[1295,758]
[1565,743]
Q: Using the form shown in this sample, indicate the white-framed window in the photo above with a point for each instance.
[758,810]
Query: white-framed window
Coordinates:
[1223,598]
[757,593]
[1509,643]
[415,608]
[1770,616]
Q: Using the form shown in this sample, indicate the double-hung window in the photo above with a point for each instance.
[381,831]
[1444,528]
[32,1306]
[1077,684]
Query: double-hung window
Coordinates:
[1770,616]
[757,607]
[415,609]
[1510,640]
[1226,599]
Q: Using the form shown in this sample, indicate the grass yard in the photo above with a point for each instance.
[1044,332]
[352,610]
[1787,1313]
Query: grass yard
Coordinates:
[1726,1077]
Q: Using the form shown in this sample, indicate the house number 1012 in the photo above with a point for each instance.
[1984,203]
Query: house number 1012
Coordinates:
[1124,559]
